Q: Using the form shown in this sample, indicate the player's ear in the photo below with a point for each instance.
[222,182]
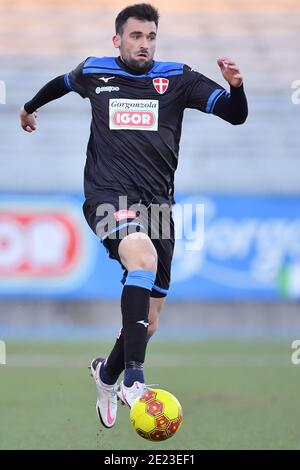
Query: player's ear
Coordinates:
[116,41]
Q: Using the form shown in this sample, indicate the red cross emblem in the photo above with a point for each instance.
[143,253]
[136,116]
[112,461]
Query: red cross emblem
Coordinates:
[161,85]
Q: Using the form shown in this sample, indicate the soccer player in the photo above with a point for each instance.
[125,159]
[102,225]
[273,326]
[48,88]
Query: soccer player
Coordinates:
[137,110]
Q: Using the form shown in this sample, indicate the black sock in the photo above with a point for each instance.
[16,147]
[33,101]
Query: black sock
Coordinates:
[130,347]
[135,310]
[115,363]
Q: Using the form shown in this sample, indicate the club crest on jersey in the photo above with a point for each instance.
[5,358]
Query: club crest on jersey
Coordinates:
[161,85]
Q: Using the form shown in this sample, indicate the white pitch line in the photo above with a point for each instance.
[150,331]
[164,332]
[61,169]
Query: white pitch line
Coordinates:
[154,360]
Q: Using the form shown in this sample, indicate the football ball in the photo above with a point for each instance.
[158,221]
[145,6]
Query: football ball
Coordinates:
[156,415]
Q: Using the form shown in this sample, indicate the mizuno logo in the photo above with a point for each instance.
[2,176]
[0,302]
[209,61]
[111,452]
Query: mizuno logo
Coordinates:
[105,79]
[142,322]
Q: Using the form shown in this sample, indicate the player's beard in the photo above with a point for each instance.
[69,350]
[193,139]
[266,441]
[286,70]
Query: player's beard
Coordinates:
[138,65]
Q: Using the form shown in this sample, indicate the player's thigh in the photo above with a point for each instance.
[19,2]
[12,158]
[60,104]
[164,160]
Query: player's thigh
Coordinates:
[136,251]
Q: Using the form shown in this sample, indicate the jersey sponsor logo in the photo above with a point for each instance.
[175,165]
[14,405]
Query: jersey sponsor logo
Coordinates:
[133,119]
[124,214]
[106,88]
[133,114]
[161,85]
[106,79]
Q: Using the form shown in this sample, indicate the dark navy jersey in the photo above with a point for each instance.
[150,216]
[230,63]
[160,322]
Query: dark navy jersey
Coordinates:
[136,124]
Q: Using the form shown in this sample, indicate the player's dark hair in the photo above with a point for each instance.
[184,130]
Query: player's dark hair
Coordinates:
[139,11]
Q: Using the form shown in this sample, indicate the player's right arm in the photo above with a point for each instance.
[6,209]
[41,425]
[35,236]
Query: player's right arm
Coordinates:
[28,120]
[53,90]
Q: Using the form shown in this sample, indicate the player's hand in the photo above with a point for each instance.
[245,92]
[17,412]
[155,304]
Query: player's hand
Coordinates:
[28,121]
[230,71]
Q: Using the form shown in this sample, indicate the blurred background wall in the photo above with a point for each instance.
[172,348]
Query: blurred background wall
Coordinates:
[246,280]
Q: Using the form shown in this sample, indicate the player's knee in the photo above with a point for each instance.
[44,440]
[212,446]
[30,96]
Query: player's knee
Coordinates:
[138,253]
[147,261]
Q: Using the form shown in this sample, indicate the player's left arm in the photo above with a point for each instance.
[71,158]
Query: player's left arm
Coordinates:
[232,107]
[209,97]
[230,72]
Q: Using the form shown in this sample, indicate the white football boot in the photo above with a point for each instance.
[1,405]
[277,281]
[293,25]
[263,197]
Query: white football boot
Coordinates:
[128,395]
[107,400]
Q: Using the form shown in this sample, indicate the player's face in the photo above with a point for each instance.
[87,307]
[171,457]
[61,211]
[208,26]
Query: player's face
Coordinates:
[137,43]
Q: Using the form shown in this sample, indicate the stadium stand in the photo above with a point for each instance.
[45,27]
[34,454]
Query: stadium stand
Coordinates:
[41,40]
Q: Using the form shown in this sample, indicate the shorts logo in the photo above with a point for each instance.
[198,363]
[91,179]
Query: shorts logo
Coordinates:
[133,114]
[124,214]
[161,85]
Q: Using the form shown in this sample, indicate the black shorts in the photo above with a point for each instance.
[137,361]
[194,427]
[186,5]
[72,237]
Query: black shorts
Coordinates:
[111,224]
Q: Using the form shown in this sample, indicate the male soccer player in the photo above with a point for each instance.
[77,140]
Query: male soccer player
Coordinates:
[137,111]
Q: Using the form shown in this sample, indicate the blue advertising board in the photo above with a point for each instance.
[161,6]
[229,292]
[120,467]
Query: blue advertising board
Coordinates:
[228,247]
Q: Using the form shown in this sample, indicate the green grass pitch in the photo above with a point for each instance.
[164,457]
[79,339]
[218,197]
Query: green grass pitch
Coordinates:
[235,395]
